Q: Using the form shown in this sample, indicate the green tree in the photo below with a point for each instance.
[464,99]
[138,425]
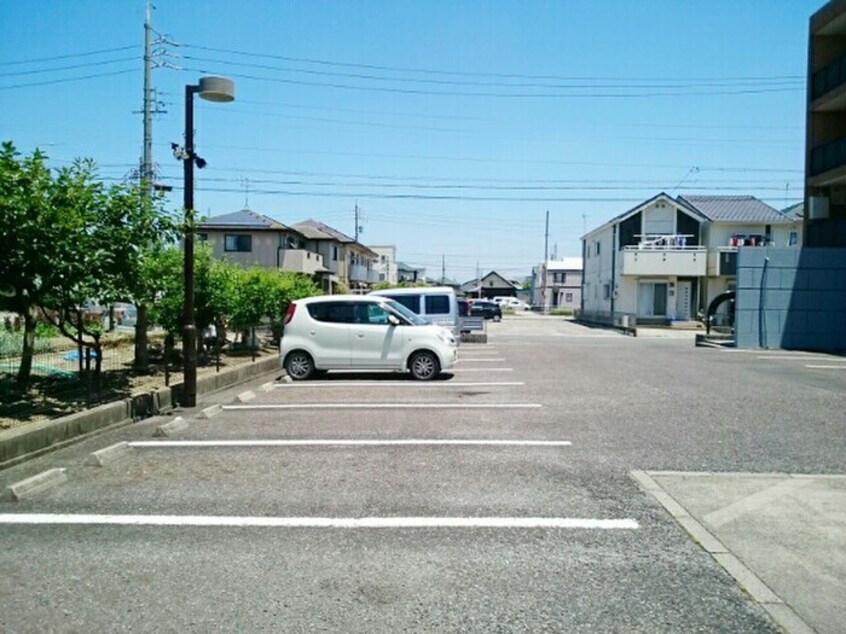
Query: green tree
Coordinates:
[26,235]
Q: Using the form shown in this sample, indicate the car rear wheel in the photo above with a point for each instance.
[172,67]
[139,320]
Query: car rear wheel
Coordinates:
[497,317]
[424,366]
[299,365]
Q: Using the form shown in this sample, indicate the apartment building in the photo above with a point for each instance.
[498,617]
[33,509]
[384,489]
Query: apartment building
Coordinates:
[825,153]
[386,265]
[351,264]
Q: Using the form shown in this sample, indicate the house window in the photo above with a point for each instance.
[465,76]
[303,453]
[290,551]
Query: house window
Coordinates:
[606,291]
[598,244]
[202,237]
[794,239]
[559,277]
[233,242]
[568,297]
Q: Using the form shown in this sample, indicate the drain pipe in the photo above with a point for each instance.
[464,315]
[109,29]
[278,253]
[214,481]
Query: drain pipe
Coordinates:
[613,270]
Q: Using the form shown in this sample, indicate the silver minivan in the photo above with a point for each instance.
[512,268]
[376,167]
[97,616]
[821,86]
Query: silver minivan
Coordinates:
[435,304]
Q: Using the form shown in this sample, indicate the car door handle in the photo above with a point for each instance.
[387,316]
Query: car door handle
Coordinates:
[360,335]
[312,332]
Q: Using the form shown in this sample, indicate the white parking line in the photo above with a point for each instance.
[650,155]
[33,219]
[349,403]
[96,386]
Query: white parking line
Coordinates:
[223,521]
[414,442]
[827,367]
[793,357]
[480,370]
[385,406]
[483,360]
[288,386]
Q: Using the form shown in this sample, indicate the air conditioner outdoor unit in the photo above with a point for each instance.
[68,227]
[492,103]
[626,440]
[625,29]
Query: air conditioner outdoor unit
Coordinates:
[817,207]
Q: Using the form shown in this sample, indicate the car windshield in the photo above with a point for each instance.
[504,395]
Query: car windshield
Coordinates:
[411,316]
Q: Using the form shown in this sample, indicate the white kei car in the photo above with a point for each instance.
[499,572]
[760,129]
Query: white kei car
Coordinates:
[362,332]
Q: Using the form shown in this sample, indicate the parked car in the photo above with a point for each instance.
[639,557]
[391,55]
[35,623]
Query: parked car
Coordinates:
[516,304]
[362,332]
[486,309]
[435,304]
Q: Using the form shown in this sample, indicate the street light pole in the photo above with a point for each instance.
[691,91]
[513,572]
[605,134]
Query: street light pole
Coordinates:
[213,89]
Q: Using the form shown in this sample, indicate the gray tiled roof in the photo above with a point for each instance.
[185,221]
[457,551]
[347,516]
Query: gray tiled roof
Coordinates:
[244,219]
[312,233]
[735,209]
[795,212]
[330,231]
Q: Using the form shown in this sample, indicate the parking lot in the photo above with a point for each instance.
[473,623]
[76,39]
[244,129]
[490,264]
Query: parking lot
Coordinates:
[499,497]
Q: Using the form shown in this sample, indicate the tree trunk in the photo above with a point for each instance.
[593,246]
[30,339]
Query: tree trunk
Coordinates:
[25,368]
[142,360]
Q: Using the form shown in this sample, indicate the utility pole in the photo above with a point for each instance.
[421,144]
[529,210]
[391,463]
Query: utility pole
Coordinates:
[545,263]
[443,267]
[478,282]
[147,161]
[356,222]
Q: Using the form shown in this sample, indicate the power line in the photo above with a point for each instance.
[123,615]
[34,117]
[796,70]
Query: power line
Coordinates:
[473,74]
[70,67]
[69,79]
[453,93]
[664,84]
[38,60]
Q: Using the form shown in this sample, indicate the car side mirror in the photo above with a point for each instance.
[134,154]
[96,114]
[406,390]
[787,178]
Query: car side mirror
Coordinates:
[393,320]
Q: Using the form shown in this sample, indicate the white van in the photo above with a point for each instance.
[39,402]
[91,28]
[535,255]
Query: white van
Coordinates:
[435,304]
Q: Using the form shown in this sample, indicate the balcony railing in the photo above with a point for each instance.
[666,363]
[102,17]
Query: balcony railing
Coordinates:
[829,77]
[301,261]
[828,156]
[358,273]
[668,255]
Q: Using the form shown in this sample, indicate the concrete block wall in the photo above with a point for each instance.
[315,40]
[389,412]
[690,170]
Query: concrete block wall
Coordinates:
[791,298]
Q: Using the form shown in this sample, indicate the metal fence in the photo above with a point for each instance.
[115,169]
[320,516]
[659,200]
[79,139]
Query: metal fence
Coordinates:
[66,378]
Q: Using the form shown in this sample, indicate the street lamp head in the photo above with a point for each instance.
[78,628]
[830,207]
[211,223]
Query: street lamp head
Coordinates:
[216,89]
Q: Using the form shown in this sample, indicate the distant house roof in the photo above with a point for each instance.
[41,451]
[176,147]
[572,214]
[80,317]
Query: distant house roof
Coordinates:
[246,219]
[565,264]
[502,282]
[330,233]
[678,202]
[402,266]
[795,212]
[735,209]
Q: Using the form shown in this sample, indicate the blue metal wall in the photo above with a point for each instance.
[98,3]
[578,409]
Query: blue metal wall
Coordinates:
[791,298]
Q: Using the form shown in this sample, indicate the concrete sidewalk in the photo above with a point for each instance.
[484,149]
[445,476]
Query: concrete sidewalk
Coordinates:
[781,536]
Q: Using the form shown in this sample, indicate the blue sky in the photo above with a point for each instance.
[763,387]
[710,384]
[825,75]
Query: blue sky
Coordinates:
[453,125]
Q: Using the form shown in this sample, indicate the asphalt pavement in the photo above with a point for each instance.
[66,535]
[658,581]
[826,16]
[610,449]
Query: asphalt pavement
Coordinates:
[499,498]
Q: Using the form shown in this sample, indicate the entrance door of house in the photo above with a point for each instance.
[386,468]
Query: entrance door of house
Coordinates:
[684,291]
[652,299]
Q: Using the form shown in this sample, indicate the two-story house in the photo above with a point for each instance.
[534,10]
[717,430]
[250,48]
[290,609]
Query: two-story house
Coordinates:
[667,258]
[252,239]
[563,287]
[351,263]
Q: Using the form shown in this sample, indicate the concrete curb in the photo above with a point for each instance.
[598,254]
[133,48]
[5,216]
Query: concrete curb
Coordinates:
[243,397]
[34,439]
[168,429]
[37,483]
[209,412]
[110,454]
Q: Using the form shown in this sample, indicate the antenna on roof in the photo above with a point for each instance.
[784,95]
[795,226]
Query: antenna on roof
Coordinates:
[246,193]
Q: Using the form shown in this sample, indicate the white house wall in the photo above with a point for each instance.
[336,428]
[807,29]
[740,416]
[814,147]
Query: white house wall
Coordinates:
[659,218]
[597,270]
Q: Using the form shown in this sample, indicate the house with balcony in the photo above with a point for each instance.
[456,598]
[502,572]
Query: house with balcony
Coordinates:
[825,137]
[351,264]
[252,239]
[562,288]
[667,258]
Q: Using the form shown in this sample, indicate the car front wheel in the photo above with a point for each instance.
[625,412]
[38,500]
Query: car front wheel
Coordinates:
[299,365]
[497,317]
[424,366]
